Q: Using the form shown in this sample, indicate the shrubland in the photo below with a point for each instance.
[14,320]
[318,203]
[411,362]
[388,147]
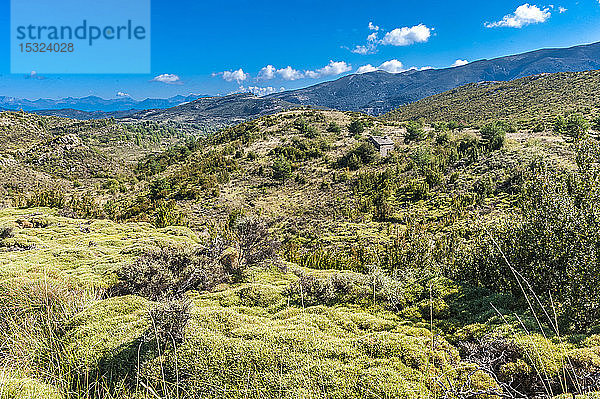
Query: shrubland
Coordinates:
[283,257]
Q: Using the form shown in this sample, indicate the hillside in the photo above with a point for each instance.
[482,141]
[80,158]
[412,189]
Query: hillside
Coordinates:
[283,257]
[84,115]
[535,98]
[379,92]
[40,152]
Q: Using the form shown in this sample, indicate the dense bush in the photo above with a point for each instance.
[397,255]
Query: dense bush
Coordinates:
[356,126]
[6,232]
[282,168]
[170,272]
[572,124]
[493,135]
[550,245]
[253,243]
[334,128]
[414,132]
[50,197]
[168,320]
[361,154]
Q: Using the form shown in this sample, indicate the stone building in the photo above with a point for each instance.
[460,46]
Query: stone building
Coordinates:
[383,144]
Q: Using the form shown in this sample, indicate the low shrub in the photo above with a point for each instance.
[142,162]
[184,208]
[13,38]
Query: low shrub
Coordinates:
[170,272]
[6,232]
[168,320]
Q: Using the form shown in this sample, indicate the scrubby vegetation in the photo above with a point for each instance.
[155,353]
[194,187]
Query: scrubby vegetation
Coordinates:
[285,258]
[528,100]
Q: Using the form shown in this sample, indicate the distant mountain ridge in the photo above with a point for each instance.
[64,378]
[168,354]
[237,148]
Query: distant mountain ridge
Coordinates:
[379,92]
[218,111]
[94,103]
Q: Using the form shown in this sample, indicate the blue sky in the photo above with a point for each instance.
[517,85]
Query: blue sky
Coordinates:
[226,46]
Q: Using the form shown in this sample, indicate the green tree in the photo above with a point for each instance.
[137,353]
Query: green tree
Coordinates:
[414,132]
[356,126]
[282,168]
[493,135]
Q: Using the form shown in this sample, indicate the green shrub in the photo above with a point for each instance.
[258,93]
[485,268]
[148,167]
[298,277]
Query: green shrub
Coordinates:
[6,232]
[282,168]
[414,132]
[493,135]
[558,217]
[168,321]
[169,272]
[361,154]
[572,124]
[356,126]
[334,128]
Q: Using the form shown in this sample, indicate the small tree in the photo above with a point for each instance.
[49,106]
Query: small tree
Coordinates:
[282,168]
[493,136]
[414,132]
[356,127]
[334,128]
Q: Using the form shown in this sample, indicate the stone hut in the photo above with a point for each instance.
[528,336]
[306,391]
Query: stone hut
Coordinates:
[383,144]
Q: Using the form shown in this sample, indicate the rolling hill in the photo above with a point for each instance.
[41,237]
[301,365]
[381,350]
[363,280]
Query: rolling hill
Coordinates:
[538,97]
[379,92]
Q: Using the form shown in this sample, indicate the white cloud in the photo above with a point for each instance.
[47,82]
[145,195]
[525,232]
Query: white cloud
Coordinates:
[230,76]
[458,63]
[366,69]
[121,94]
[168,78]
[391,66]
[524,15]
[398,37]
[363,50]
[290,73]
[334,68]
[406,36]
[267,72]
[260,91]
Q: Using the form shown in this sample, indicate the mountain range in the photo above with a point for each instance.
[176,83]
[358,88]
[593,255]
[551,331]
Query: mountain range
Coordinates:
[218,111]
[374,93]
[94,103]
[379,92]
